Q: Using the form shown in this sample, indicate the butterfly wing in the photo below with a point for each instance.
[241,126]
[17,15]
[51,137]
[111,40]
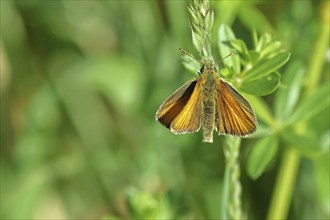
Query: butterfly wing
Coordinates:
[181,111]
[234,115]
[189,118]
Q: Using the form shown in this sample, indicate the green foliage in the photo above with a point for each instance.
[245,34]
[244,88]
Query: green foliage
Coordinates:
[259,76]
[261,155]
[80,84]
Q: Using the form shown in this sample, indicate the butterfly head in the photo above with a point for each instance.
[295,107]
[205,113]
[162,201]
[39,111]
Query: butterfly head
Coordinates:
[208,65]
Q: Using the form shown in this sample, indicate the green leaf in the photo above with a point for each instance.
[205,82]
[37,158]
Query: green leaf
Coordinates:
[261,155]
[289,91]
[264,40]
[226,35]
[254,57]
[262,86]
[312,105]
[271,49]
[266,67]
[255,38]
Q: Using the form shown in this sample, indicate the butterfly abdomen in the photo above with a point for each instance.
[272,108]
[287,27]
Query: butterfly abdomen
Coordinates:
[208,120]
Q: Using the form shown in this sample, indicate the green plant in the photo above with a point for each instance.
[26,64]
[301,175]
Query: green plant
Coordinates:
[253,72]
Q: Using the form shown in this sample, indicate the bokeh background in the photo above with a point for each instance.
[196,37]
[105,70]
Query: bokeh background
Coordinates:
[80,84]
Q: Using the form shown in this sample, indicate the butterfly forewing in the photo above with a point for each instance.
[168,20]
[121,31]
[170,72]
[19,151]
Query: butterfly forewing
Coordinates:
[234,115]
[173,105]
[189,119]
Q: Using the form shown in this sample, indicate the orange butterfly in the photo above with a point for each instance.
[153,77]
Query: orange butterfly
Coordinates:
[207,102]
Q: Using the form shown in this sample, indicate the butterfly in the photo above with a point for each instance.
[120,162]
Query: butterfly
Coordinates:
[208,103]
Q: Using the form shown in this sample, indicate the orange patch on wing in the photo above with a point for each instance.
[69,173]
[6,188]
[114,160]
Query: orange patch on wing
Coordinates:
[189,119]
[173,105]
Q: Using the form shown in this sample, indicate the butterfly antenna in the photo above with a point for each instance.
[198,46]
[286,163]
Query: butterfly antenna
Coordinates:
[188,54]
[230,54]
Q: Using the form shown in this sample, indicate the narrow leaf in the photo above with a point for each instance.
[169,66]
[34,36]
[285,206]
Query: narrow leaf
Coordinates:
[262,86]
[261,155]
[266,67]
[289,91]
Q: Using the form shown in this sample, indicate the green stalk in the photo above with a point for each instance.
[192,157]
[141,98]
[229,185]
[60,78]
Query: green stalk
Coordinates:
[231,196]
[317,57]
[284,185]
[286,178]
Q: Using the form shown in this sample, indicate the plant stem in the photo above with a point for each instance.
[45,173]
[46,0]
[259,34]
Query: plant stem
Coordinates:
[318,56]
[231,196]
[286,178]
[284,185]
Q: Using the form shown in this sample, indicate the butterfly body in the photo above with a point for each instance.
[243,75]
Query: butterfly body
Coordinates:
[210,103]
[208,75]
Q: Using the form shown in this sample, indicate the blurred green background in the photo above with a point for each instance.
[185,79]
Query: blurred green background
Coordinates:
[81,82]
